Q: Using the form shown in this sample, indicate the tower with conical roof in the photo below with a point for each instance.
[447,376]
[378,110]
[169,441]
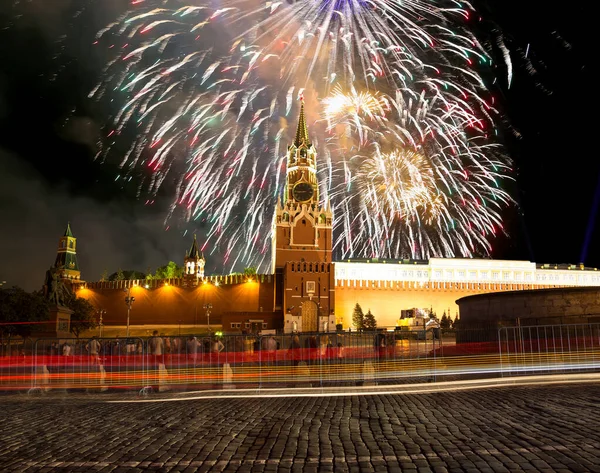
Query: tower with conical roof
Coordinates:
[66,257]
[194,263]
[302,242]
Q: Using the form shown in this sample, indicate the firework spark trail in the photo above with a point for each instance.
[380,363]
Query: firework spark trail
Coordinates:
[208,93]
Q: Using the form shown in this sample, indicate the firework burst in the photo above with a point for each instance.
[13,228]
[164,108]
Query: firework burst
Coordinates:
[404,126]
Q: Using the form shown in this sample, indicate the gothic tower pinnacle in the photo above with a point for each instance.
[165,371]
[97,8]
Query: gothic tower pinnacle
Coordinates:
[302,130]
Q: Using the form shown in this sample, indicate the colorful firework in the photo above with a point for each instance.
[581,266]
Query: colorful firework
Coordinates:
[207,94]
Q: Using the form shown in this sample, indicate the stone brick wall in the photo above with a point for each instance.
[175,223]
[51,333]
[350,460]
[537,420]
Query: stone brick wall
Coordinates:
[537,307]
[172,302]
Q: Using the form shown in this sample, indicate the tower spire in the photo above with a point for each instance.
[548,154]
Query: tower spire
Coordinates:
[302,130]
[194,252]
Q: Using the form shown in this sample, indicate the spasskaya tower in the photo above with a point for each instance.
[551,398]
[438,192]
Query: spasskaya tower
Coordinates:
[302,243]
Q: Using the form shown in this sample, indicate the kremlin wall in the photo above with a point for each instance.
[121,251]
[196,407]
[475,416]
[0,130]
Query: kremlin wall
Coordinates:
[385,288]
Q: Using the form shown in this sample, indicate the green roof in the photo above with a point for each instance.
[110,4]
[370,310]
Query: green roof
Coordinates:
[194,251]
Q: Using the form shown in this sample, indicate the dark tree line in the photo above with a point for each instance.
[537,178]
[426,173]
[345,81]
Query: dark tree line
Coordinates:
[23,313]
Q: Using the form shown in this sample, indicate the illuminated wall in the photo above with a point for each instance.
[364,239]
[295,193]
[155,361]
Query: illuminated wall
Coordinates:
[384,288]
[171,302]
[387,288]
[387,301]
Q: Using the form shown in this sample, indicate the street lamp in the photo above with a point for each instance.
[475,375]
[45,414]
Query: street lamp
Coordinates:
[101,314]
[208,307]
[2,283]
[129,301]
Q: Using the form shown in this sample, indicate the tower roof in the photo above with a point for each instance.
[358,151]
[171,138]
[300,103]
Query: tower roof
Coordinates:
[302,130]
[194,251]
[68,232]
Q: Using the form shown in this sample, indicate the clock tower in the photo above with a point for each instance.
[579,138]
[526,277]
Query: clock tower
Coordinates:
[302,243]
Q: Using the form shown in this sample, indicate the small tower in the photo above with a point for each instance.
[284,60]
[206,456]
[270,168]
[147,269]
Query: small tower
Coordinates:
[66,257]
[194,264]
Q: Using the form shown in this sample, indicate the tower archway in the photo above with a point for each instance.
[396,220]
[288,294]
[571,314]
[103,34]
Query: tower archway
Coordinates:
[310,316]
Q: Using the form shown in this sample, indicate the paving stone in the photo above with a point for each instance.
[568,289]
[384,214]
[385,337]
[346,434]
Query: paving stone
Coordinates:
[536,428]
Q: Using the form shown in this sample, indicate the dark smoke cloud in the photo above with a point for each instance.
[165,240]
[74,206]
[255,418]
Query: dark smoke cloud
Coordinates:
[110,235]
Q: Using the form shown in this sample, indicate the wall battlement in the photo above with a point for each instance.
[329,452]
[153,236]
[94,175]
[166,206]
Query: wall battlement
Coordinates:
[176,282]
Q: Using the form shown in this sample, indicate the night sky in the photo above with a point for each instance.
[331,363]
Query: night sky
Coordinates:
[49,130]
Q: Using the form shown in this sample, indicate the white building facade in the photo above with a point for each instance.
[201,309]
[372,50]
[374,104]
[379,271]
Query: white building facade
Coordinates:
[387,287]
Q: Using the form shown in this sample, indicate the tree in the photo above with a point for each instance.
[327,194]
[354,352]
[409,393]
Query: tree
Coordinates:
[127,274]
[83,317]
[445,322]
[104,276]
[456,322]
[171,270]
[250,271]
[369,321]
[358,318]
[26,310]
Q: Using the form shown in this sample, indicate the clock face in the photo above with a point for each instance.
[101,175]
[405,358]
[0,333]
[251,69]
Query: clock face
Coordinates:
[303,192]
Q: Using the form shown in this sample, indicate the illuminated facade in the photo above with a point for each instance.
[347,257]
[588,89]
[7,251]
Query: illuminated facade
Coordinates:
[388,287]
[302,243]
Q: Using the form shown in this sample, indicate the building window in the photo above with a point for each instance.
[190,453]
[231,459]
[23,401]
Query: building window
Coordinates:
[311,287]
[232,325]
[264,325]
[247,324]
[484,274]
[495,275]
[473,275]
[461,274]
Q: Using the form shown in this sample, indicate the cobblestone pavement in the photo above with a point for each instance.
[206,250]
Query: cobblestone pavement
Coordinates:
[533,428]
